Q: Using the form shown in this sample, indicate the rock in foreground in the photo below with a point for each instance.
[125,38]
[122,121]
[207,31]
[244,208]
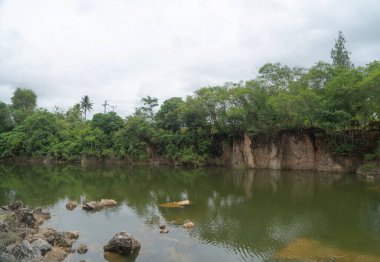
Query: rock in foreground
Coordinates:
[123,243]
[23,239]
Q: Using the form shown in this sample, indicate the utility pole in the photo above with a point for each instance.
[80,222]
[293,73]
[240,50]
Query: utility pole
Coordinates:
[113,108]
[105,106]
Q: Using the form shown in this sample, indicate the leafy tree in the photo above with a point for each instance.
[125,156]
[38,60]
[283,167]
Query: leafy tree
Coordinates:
[147,110]
[40,131]
[318,76]
[193,115]
[24,99]
[339,54]
[277,77]
[368,99]
[74,114]
[168,116]
[94,142]
[213,101]
[11,144]
[108,123]
[6,121]
[23,103]
[134,138]
[86,105]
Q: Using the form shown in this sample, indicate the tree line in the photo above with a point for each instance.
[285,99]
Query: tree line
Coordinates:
[336,97]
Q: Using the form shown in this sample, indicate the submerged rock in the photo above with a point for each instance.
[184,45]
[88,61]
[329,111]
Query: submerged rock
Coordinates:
[304,249]
[108,202]
[97,205]
[163,229]
[188,224]
[72,234]
[93,205]
[82,249]
[179,204]
[123,243]
[71,205]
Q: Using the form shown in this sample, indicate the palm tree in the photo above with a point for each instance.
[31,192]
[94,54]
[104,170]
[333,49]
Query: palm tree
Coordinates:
[86,105]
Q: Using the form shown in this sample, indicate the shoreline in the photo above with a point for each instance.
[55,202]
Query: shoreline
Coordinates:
[24,237]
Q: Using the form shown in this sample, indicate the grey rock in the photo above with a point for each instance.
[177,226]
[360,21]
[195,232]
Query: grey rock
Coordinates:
[26,217]
[64,240]
[24,251]
[28,251]
[82,249]
[123,243]
[45,214]
[15,205]
[10,248]
[7,257]
[4,227]
[41,245]
[97,205]
[71,205]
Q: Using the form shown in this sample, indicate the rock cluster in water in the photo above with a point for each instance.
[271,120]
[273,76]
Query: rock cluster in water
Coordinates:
[23,239]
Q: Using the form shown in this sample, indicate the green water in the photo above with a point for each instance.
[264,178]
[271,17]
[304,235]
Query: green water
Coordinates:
[239,215]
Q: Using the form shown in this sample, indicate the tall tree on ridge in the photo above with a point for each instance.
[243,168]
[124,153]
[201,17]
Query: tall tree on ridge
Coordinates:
[86,105]
[339,54]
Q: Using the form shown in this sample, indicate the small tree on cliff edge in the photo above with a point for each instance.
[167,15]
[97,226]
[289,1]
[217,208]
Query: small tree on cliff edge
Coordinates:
[339,54]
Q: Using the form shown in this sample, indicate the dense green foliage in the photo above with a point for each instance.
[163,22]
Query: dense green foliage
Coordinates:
[338,98]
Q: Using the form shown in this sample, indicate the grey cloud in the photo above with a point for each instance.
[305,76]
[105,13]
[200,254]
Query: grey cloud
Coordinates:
[122,51]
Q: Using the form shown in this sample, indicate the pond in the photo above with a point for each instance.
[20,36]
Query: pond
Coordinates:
[239,215]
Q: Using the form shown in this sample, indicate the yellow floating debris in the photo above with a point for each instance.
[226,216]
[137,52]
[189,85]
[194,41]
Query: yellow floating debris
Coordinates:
[180,204]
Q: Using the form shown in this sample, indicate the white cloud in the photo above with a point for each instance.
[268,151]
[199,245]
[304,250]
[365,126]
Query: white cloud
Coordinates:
[122,50]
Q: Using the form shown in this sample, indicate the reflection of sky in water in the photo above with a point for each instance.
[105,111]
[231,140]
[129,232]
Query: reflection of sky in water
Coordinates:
[238,215]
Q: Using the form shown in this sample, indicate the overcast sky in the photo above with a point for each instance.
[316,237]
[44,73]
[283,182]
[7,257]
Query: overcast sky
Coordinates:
[123,50]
